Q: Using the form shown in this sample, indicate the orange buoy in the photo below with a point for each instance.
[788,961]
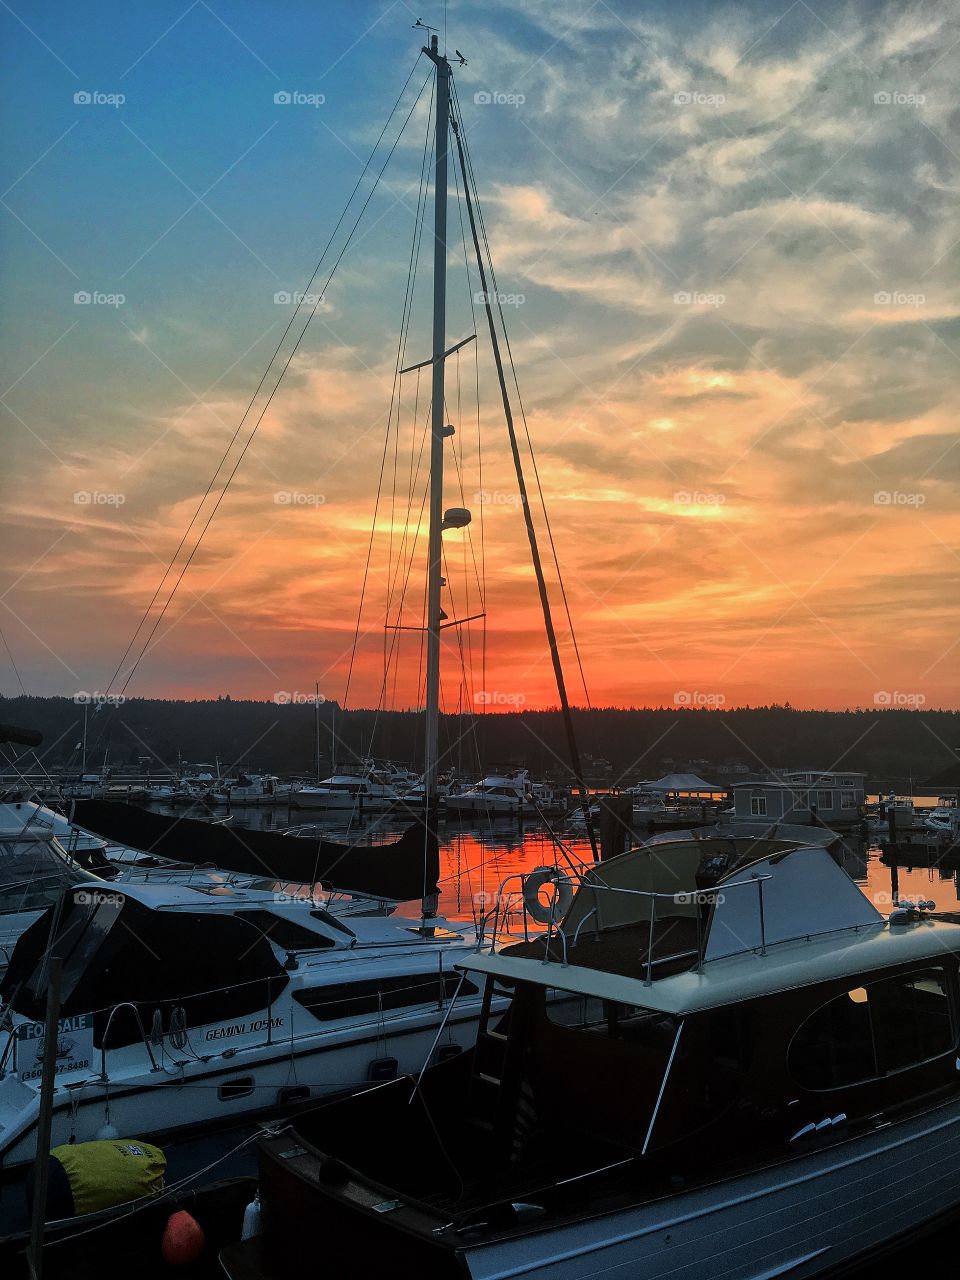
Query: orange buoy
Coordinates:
[183,1239]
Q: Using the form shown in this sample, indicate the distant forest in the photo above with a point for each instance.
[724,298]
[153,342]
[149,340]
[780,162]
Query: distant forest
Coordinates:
[618,746]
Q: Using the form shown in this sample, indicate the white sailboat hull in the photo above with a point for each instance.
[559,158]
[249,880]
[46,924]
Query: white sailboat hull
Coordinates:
[141,1103]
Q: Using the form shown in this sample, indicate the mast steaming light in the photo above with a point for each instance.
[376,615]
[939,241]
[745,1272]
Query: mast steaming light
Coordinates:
[456,518]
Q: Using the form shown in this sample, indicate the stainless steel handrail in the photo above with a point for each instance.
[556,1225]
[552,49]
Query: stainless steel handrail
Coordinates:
[697,896]
[127,1004]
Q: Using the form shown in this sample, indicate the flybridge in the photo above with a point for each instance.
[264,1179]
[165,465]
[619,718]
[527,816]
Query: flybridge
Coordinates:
[645,928]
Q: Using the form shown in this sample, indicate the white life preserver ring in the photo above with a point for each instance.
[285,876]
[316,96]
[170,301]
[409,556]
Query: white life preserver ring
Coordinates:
[536,908]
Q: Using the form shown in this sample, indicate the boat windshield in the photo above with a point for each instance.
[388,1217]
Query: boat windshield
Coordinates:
[33,872]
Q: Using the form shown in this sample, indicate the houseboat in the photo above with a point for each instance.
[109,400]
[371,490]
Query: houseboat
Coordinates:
[834,800]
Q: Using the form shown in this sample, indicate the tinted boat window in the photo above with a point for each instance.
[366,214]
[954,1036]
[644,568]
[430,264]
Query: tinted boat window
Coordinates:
[372,996]
[913,1019]
[834,1047]
[873,1031]
[608,1018]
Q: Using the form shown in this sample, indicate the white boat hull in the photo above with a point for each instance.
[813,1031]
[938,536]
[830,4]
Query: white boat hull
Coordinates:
[801,1219]
[183,1098]
[341,803]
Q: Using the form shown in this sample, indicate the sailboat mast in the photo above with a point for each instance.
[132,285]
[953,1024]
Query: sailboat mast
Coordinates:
[316,726]
[437,434]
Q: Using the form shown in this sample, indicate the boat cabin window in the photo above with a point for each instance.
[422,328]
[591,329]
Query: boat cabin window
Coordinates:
[758,806]
[848,800]
[608,1018]
[874,1030]
[824,799]
[376,995]
[284,932]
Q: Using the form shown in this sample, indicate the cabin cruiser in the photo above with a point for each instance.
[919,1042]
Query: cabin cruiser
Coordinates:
[508,794]
[182,1010]
[347,791]
[251,789]
[647,804]
[945,818]
[415,796]
[750,1073]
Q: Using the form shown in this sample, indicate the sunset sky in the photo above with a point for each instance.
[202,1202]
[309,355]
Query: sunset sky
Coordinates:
[732,237]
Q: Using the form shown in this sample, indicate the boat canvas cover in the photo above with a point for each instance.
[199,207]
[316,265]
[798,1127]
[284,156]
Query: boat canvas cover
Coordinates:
[405,869]
[612,890]
[681,782]
[116,949]
[805,894]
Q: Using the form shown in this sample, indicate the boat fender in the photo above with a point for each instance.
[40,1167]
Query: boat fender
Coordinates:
[183,1240]
[251,1219]
[100,1174]
[536,908]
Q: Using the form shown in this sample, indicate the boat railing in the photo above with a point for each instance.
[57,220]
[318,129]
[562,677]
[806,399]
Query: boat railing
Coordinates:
[653,902]
[127,1004]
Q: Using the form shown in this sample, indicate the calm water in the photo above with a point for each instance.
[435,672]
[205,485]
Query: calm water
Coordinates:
[476,859]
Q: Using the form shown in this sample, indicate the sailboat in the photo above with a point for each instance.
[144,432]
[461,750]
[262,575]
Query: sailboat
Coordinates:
[201,1009]
[711,1066]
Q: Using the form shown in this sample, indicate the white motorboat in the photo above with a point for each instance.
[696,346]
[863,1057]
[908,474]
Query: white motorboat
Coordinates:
[944,819]
[182,1009]
[360,793]
[252,790]
[508,794]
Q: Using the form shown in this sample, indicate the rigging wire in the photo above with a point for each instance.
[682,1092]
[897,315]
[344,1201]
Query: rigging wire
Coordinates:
[263,379]
[386,444]
[497,298]
[13,663]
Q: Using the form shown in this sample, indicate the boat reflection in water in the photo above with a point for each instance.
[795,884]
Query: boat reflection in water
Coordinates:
[750,1073]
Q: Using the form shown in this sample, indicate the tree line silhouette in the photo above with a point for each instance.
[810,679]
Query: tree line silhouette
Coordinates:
[619,745]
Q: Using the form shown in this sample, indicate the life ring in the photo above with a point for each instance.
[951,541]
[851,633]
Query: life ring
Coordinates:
[562,897]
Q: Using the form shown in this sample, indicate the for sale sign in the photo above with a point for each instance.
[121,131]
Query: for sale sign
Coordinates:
[74,1048]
